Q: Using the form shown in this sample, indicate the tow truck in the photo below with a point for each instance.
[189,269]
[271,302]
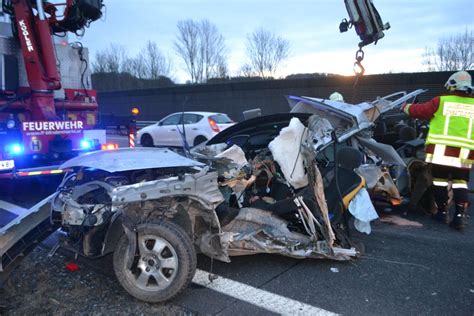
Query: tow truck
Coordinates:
[48,109]
[42,118]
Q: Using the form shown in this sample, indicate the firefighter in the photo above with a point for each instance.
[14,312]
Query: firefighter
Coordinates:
[449,144]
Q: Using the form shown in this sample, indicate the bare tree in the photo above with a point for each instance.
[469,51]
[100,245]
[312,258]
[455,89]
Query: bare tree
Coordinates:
[137,67]
[246,71]
[187,47]
[451,54]
[154,62]
[112,59]
[212,50]
[150,63]
[266,51]
[222,71]
[202,49]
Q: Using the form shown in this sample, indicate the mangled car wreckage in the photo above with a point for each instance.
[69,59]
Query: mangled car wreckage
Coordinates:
[285,183]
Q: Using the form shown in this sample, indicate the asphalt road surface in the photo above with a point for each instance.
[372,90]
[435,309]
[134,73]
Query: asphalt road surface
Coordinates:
[121,140]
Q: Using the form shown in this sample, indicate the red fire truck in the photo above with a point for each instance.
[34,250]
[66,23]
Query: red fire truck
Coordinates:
[48,109]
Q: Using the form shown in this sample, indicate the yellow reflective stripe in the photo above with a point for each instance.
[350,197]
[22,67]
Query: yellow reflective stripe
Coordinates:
[449,143]
[441,182]
[437,136]
[56,171]
[34,173]
[460,181]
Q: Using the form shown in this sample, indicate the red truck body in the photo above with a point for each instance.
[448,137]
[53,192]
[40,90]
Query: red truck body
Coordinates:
[48,109]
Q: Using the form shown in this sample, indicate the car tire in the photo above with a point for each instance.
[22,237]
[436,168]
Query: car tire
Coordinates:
[159,243]
[199,140]
[147,141]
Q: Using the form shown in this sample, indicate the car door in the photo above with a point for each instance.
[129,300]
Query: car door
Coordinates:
[166,132]
[192,127]
[187,125]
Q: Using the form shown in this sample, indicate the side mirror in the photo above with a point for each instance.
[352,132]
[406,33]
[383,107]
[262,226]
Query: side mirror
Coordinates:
[159,123]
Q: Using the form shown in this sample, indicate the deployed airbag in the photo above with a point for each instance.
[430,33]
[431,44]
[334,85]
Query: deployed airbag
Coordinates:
[285,149]
[363,210]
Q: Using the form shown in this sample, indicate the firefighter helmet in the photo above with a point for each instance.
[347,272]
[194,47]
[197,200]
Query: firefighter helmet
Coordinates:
[459,81]
[336,96]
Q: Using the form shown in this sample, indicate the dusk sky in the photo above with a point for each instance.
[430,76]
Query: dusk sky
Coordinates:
[311,27]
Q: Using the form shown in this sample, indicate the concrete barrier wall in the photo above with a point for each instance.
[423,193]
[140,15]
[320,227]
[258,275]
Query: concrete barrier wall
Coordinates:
[235,97]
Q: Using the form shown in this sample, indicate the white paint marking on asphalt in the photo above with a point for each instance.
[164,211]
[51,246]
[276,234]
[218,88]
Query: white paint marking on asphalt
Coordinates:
[18,210]
[258,297]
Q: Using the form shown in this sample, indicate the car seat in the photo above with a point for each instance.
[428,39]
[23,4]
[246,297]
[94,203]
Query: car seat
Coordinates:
[348,182]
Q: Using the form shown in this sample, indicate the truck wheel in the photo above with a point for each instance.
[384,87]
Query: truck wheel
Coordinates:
[198,140]
[164,263]
[147,141]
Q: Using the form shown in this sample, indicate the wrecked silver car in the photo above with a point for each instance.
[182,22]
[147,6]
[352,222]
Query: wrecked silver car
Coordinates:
[290,184]
[286,184]
[155,219]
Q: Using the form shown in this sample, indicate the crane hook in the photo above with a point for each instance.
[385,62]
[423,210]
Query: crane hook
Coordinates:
[358,68]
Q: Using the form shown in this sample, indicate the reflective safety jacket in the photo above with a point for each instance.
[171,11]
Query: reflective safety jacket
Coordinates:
[450,139]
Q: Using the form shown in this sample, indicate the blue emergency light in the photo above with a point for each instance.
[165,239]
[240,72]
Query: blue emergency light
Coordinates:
[86,144]
[16,149]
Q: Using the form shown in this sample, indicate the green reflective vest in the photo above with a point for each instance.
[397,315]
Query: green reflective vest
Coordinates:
[452,123]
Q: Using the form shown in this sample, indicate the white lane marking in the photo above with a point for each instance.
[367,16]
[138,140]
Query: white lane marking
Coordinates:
[261,298]
[18,210]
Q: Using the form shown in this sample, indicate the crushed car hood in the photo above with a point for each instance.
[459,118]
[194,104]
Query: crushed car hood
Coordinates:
[346,118]
[124,159]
